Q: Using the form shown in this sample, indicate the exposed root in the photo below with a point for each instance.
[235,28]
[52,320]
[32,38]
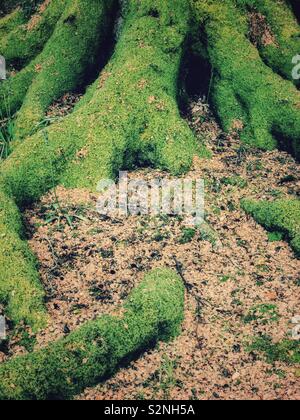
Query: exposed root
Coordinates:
[25,41]
[153,312]
[243,87]
[281,216]
[281,35]
[79,33]
[20,288]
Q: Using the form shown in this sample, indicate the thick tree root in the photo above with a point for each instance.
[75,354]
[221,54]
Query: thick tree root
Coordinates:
[153,312]
[20,288]
[10,22]
[283,43]
[280,216]
[132,109]
[25,41]
[62,65]
[129,115]
[246,93]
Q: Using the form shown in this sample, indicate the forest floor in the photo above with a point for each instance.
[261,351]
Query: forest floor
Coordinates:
[241,283]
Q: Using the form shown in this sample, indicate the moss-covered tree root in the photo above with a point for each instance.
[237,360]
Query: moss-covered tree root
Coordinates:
[247,94]
[282,40]
[153,312]
[279,216]
[129,115]
[20,288]
[9,22]
[70,53]
[26,40]
[286,351]
[132,107]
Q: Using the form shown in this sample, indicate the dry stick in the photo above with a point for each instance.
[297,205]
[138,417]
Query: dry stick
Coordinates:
[187,285]
[200,302]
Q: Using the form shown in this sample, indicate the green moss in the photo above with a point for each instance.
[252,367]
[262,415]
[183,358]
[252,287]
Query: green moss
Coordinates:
[13,90]
[9,22]
[278,216]
[27,340]
[286,351]
[153,312]
[264,314]
[62,65]
[244,88]
[20,288]
[235,181]
[139,121]
[275,236]
[25,41]
[187,235]
[279,54]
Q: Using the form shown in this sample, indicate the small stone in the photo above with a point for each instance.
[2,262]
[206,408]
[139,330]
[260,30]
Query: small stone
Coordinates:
[236,348]
[235,376]
[66,329]
[226,373]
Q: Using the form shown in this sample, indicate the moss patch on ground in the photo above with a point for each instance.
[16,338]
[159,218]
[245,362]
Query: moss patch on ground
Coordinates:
[278,216]
[153,312]
[286,351]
